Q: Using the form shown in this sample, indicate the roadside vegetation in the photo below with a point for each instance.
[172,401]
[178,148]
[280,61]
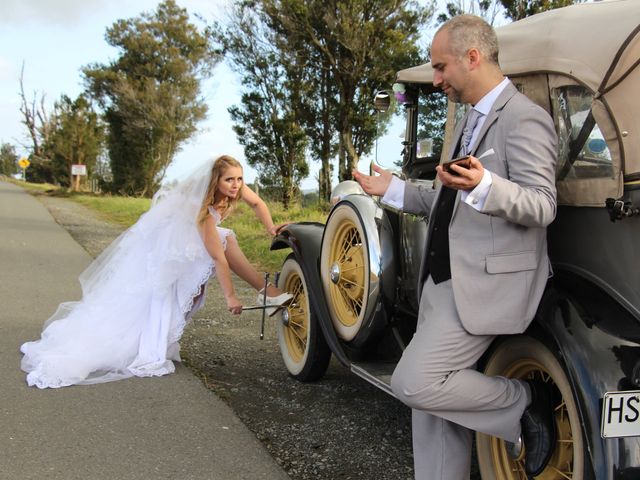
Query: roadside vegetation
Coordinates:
[251,235]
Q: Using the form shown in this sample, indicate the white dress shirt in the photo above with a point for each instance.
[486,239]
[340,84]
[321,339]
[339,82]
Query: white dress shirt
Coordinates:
[394,195]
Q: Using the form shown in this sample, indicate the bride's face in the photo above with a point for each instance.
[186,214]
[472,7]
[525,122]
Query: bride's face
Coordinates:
[230,182]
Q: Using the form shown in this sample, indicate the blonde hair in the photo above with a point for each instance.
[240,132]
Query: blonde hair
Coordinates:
[221,165]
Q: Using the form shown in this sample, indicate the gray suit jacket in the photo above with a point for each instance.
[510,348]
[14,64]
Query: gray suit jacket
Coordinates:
[499,263]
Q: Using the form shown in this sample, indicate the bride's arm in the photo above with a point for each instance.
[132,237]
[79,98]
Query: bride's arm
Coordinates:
[260,209]
[213,244]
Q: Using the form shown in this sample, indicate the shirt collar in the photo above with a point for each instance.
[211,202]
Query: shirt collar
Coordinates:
[486,102]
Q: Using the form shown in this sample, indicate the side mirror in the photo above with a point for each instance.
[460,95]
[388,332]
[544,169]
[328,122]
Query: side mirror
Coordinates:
[382,101]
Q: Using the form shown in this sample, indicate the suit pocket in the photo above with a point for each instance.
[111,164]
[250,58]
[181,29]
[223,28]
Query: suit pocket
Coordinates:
[511,262]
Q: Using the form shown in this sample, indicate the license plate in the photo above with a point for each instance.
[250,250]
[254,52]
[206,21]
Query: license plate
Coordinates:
[620,414]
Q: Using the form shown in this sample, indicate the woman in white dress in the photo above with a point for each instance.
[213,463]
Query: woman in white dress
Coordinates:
[140,292]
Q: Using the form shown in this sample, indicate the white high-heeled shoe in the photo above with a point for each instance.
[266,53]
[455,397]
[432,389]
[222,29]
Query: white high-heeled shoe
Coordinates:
[279,302]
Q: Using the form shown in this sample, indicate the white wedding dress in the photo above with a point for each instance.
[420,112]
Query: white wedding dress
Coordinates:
[137,297]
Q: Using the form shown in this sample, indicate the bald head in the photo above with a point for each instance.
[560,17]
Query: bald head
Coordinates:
[470,31]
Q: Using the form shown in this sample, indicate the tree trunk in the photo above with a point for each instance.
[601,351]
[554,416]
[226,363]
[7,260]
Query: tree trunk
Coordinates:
[348,156]
[324,190]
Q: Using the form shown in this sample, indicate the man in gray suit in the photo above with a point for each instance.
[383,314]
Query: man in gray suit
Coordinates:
[486,262]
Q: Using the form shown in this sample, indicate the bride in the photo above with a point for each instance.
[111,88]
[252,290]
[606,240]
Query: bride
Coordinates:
[140,292]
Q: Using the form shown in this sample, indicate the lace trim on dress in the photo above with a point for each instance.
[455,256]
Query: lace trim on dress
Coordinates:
[187,306]
[198,287]
[37,378]
[204,278]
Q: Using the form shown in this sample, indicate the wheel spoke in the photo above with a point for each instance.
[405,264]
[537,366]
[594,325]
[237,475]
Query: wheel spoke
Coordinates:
[354,305]
[356,267]
[566,475]
[298,321]
[350,282]
[298,334]
[345,246]
[519,469]
[302,345]
[345,298]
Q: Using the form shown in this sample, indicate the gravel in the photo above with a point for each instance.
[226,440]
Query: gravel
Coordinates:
[340,427]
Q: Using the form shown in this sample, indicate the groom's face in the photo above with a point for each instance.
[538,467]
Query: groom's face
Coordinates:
[450,72]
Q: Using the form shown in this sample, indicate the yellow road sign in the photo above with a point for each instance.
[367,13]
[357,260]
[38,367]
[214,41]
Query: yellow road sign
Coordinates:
[24,163]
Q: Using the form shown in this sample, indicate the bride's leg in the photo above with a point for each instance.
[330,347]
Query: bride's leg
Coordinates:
[241,267]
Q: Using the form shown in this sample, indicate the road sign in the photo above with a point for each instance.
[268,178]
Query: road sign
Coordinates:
[24,163]
[78,169]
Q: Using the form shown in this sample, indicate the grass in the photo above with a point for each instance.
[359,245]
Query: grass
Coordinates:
[31,187]
[251,234]
[124,211]
[253,238]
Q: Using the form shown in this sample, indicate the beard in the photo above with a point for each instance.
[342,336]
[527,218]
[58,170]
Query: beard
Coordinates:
[454,95]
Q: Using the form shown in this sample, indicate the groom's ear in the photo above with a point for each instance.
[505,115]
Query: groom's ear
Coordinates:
[473,58]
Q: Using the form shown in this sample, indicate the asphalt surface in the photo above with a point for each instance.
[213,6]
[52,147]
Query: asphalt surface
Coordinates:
[170,427]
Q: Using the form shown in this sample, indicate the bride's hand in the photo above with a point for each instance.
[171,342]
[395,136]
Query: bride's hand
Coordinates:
[234,305]
[273,231]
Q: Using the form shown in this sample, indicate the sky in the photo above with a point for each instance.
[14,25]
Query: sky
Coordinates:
[54,39]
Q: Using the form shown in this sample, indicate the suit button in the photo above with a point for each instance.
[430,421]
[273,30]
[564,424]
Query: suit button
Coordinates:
[432,253]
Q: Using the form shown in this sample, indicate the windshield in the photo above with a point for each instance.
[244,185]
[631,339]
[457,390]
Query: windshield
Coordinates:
[391,146]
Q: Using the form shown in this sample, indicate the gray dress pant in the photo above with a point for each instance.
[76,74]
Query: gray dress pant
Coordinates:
[436,377]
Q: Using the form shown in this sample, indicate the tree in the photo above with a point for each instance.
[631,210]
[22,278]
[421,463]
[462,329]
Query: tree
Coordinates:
[266,122]
[487,9]
[519,9]
[356,47]
[318,100]
[8,159]
[35,119]
[151,93]
[77,137]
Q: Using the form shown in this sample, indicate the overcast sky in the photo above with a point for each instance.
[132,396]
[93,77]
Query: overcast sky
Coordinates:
[56,38]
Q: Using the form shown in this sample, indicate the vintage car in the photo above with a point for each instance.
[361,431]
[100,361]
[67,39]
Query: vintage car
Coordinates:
[354,278]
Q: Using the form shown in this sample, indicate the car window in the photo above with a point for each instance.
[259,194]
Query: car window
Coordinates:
[389,148]
[432,118]
[432,121]
[582,149]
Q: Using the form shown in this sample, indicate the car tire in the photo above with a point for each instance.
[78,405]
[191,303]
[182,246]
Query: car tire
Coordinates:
[345,271]
[302,344]
[526,358]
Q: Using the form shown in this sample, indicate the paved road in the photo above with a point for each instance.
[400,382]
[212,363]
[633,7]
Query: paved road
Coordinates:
[153,428]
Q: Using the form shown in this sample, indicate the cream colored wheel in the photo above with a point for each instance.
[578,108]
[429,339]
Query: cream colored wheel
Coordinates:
[526,358]
[345,271]
[302,345]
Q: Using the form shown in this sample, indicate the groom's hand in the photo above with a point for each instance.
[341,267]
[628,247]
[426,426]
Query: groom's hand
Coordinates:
[374,184]
[462,178]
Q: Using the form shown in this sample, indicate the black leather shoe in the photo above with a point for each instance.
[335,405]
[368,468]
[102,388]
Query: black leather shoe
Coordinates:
[538,428]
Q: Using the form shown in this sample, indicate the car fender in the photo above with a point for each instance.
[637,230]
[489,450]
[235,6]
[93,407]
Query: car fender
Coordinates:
[592,359]
[382,264]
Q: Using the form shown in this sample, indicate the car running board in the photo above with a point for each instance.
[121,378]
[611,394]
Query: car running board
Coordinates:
[377,374]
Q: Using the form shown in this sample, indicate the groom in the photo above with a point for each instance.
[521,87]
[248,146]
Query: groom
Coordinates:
[485,267]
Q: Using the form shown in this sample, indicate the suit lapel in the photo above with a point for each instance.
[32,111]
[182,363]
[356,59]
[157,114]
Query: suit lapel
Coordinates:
[509,91]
